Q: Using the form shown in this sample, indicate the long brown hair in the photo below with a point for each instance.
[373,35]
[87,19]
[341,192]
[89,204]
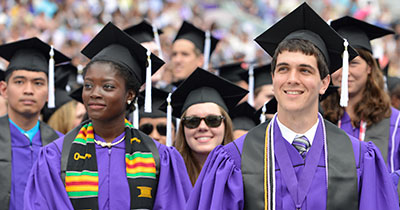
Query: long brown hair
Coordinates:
[62,120]
[375,103]
[192,165]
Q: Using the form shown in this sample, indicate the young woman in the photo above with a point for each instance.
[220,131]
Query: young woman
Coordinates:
[368,115]
[104,163]
[205,124]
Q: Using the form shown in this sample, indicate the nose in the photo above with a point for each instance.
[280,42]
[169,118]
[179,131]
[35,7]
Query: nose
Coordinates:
[155,135]
[28,88]
[95,92]
[203,126]
[293,77]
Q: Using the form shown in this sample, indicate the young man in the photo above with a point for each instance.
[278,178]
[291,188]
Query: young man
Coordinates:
[189,51]
[21,133]
[324,168]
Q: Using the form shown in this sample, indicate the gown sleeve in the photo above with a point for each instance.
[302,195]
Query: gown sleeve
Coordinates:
[220,184]
[174,185]
[45,189]
[377,190]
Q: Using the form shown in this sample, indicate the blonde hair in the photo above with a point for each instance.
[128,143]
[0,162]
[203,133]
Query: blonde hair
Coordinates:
[192,165]
[62,119]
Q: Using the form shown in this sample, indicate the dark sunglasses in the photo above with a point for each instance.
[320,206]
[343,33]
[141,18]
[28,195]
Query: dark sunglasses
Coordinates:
[212,121]
[147,128]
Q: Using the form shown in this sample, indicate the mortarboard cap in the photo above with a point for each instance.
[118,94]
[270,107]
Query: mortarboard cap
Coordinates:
[232,71]
[196,36]
[112,44]
[142,32]
[63,74]
[303,23]
[201,87]
[77,94]
[357,32]
[61,97]
[244,117]
[29,54]
[262,76]
[2,75]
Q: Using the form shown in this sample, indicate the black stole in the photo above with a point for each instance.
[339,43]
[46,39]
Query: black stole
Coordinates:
[342,172]
[47,135]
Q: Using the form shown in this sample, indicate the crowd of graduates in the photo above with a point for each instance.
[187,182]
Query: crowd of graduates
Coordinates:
[137,119]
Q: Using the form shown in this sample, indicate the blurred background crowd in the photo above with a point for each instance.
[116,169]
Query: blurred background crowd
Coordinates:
[70,24]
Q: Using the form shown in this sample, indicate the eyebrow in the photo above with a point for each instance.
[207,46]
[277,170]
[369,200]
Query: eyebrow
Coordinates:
[301,65]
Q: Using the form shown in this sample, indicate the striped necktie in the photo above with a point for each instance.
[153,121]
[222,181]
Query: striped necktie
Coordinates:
[302,145]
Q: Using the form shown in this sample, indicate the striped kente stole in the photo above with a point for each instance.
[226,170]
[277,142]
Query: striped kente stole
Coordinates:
[82,180]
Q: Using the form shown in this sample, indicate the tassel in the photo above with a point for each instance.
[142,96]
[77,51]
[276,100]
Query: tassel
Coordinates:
[263,111]
[51,102]
[157,40]
[169,121]
[207,49]
[344,97]
[250,99]
[147,101]
[135,115]
[79,76]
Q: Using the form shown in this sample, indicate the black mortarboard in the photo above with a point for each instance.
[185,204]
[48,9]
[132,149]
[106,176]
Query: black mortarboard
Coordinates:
[303,23]
[158,97]
[232,71]
[29,54]
[244,117]
[77,94]
[112,44]
[2,75]
[331,89]
[196,36]
[358,33]
[142,32]
[262,76]
[201,87]
[63,73]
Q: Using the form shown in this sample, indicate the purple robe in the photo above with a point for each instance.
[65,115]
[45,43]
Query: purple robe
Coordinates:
[45,189]
[393,157]
[220,184]
[23,157]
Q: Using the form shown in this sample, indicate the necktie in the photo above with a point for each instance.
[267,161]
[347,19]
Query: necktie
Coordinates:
[302,145]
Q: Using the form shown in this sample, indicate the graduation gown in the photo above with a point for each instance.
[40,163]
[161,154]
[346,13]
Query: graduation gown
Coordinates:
[221,183]
[45,188]
[18,154]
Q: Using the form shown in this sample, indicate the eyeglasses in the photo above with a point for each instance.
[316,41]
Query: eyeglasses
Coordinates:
[212,121]
[148,128]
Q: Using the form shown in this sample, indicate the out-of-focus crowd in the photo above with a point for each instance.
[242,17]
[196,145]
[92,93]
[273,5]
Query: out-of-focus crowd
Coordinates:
[70,24]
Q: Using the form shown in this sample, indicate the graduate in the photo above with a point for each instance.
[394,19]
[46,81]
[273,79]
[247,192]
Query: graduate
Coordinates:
[368,115]
[324,168]
[232,72]
[244,118]
[191,48]
[105,163]
[22,134]
[203,109]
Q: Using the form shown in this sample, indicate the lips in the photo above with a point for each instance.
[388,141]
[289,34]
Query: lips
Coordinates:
[293,92]
[96,106]
[28,101]
[203,139]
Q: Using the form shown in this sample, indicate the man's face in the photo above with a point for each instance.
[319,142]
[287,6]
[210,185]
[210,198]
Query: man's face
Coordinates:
[26,92]
[297,83]
[184,59]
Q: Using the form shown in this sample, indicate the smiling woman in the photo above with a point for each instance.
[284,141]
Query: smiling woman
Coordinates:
[105,163]
[204,123]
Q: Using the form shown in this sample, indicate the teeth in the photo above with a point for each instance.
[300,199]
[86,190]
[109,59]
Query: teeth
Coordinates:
[293,92]
[203,138]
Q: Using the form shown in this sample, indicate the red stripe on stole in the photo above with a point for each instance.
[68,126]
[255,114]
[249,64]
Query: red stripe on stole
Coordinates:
[81,183]
[82,132]
[148,165]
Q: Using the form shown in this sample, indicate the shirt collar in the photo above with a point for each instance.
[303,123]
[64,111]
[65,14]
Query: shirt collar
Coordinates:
[30,133]
[289,134]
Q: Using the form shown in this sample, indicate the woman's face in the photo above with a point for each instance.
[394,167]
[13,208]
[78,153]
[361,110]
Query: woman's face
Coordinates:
[104,93]
[358,76]
[203,139]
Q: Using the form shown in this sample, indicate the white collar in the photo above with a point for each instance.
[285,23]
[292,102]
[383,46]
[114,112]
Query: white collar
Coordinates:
[289,135]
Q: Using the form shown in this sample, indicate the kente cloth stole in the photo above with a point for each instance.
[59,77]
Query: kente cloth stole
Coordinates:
[81,181]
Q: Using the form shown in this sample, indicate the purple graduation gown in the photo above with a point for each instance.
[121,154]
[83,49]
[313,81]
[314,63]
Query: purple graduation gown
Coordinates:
[45,189]
[220,183]
[393,157]
[23,157]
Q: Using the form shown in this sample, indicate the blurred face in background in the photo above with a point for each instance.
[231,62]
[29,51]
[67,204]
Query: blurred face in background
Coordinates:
[156,128]
[185,59]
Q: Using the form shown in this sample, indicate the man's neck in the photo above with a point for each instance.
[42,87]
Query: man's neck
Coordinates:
[23,121]
[298,122]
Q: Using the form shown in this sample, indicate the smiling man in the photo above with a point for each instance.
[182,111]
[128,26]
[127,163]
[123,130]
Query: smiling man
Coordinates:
[21,133]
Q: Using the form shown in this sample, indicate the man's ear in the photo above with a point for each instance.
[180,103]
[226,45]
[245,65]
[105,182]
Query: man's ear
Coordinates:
[325,83]
[3,89]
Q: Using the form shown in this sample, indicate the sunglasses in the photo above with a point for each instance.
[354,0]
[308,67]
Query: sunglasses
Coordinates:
[147,128]
[211,121]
